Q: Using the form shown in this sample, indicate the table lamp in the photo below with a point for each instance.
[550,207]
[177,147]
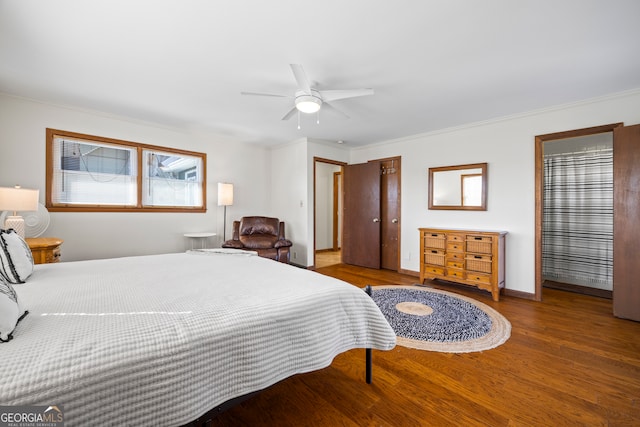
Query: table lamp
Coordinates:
[17,199]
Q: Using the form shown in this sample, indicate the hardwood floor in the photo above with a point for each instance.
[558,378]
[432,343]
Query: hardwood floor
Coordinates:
[568,362]
[327,258]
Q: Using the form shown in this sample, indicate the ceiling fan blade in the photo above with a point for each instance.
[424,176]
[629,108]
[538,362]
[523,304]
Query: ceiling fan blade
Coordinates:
[265,94]
[331,107]
[301,78]
[290,114]
[334,95]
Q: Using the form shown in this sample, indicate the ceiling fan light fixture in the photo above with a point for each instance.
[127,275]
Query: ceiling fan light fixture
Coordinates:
[308,104]
[308,100]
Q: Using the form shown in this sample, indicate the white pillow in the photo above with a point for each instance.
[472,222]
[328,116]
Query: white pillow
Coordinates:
[10,312]
[16,260]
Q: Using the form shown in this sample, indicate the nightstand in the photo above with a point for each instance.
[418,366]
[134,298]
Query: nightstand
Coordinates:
[44,249]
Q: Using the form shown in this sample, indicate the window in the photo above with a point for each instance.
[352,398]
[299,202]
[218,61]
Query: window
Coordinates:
[90,173]
[171,179]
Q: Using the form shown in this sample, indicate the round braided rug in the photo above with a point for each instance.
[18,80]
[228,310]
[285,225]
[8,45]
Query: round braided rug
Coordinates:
[436,320]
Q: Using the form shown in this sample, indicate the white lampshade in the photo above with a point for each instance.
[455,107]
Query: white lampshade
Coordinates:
[225,194]
[17,199]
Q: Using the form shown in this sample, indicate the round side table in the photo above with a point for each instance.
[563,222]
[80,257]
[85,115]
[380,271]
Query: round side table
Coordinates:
[200,237]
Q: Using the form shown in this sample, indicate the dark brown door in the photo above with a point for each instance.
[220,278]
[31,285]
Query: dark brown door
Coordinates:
[361,219]
[390,213]
[626,222]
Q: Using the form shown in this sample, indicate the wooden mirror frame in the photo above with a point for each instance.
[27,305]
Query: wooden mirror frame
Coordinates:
[461,168]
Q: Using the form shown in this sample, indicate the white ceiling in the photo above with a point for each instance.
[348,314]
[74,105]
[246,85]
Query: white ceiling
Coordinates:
[433,64]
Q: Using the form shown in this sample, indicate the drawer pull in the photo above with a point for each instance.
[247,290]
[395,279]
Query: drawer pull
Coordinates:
[477,257]
[477,238]
[434,252]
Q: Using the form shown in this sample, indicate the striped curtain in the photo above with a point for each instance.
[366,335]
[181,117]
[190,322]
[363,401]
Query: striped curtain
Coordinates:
[577,243]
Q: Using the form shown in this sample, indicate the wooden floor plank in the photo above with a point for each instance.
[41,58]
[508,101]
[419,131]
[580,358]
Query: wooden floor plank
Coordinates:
[568,362]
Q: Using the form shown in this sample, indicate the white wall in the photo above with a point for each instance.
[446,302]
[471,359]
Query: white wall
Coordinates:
[279,181]
[100,235]
[507,145]
[292,195]
[289,195]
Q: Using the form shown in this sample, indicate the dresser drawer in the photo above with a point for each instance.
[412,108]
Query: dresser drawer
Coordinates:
[434,256]
[455,273]
[455,263]
[455,256]
[481,263]
[431,270]
[479,244]
[455,246]
[479,278]
[434,240]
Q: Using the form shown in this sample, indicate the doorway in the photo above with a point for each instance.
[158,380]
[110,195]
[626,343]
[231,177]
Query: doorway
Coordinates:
[543,209]
[577,225]
[327,212]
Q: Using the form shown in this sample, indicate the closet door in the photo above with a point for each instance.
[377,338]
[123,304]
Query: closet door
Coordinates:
[626,220]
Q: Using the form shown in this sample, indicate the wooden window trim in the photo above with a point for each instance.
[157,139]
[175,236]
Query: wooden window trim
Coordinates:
[52,133]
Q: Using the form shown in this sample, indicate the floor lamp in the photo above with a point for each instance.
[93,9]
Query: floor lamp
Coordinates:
[225,198]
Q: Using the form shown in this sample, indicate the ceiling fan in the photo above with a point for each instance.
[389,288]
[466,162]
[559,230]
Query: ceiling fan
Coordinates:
[309,100]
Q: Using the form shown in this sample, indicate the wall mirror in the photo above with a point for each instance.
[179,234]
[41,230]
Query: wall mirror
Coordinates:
[462,187]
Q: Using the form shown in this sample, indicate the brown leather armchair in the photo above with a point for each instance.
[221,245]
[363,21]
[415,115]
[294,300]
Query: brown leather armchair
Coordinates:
[262,234]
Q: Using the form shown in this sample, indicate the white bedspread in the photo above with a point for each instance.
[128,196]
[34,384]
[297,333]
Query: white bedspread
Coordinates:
[160,340]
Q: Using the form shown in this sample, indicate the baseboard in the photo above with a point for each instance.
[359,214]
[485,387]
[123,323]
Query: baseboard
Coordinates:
[519,294]
[311,267]
[409,272]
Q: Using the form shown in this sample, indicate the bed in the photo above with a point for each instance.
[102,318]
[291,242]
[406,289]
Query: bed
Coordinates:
[163,339]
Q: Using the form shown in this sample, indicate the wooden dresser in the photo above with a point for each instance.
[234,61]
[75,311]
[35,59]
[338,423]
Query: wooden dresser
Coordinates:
[470,257]
[44,249]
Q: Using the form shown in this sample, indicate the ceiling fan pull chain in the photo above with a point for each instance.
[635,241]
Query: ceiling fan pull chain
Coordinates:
[318,117]
[298,119]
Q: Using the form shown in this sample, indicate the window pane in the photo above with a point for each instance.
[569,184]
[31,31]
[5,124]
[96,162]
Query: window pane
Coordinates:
[171,179]
[88,173]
